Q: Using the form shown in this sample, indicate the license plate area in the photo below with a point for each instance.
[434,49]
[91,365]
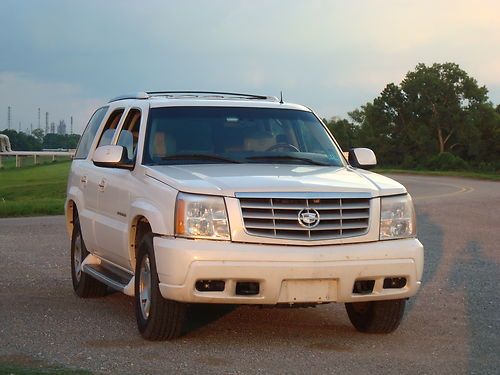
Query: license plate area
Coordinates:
[309,290]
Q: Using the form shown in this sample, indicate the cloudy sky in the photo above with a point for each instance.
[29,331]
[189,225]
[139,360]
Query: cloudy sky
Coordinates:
[68,57]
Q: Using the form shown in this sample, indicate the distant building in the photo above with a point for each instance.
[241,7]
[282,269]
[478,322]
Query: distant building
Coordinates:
[61,128]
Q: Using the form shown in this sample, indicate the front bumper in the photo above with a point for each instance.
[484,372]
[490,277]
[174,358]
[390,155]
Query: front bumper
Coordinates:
[286,274]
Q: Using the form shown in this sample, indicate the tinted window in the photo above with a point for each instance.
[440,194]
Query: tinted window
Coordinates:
[89,133]
[129,135]
[110,127]
[184,135]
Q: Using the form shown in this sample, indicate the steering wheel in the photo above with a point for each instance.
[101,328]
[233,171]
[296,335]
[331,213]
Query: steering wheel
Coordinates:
[283,145]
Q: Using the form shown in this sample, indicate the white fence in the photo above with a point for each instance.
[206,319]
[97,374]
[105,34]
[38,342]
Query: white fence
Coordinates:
[20,155]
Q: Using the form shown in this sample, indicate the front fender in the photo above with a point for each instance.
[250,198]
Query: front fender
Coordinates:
[161,219]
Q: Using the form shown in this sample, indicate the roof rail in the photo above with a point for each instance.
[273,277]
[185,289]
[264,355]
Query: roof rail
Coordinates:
[137,95]
[213,93]
[221,94]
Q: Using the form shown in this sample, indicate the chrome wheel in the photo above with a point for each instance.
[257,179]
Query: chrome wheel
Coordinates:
[77,257]
[145,287]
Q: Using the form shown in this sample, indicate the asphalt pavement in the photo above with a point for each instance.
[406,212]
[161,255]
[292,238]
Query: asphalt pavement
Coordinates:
[451,327]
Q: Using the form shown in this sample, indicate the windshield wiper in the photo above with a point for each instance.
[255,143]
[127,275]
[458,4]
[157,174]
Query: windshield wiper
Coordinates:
[287,157]
[199,157]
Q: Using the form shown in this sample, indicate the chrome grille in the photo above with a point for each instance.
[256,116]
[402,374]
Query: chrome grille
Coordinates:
[279,217]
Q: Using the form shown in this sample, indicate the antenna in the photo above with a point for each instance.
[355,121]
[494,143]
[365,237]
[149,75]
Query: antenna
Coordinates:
[281,97]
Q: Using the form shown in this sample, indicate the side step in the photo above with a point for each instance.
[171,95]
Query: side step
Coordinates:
[113,277]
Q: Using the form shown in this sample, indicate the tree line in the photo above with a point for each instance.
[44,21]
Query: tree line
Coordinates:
[438,117]
[37,141]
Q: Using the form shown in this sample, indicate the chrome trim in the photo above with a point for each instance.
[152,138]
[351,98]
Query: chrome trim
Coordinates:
[304,195]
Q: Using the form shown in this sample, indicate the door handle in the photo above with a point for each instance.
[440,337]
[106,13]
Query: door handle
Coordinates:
[102,184]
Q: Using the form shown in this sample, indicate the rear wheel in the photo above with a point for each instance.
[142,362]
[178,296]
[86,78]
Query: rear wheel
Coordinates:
[376,316]
[157,318]
[85,286]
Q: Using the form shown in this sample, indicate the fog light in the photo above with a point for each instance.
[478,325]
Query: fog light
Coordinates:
[394,282]
[210,285]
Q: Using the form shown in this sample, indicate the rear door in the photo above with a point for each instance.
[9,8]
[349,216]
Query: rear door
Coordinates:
[82,169]
[96,176]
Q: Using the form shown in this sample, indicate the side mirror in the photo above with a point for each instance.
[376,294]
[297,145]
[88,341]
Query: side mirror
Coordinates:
[362,158]
[112,156]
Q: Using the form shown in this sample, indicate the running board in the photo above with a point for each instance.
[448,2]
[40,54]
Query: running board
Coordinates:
[113,277]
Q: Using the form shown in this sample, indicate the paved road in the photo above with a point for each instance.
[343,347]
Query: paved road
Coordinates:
[451,327]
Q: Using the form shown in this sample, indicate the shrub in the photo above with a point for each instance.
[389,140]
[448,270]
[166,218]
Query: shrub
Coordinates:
[446,161]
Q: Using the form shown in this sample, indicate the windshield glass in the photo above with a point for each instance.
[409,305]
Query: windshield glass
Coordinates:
[193,135]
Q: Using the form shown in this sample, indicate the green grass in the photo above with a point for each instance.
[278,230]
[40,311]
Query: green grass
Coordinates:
[33,368]
[35,190]
[492,176]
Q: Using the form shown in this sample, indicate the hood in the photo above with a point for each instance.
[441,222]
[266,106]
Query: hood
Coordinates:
[228,179]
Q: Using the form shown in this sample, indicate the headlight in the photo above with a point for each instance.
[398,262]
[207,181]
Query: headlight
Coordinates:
[201,216]
[397,217]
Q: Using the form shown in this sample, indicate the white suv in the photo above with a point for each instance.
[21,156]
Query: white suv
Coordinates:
[203,197]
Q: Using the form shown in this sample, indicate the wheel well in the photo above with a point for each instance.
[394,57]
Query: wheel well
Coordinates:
[71,213]
[140,227]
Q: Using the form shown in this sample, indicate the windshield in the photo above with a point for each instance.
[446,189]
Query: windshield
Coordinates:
[194,135]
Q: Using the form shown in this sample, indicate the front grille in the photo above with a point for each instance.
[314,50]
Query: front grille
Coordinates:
[279,217]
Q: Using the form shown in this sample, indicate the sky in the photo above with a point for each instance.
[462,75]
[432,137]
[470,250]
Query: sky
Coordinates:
[69,57]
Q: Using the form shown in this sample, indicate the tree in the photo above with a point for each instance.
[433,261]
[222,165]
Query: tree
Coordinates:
[439,97]
[38,134]
[345,132]
[64,141]
[435,110]
[21,141]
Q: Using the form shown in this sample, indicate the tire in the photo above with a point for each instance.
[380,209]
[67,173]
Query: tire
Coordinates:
[157,318]
[84,285]
[376,316]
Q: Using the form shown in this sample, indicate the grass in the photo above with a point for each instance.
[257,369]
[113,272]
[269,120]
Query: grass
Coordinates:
[33,368]
[21,364]
[35,190]
[492,176]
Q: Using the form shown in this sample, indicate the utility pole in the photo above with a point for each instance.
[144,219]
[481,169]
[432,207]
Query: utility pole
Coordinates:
[31,128]
[38,117]
[71,127]
[46,122]
[19,126]
[9,116]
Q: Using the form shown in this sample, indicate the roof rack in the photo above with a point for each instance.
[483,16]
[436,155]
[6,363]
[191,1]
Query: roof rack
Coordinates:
[220,94]
[196,94]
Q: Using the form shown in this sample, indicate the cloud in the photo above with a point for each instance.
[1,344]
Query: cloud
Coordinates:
[332,56]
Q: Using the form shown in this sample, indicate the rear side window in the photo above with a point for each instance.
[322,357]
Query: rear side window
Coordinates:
[129,135]
[89,133]
[110,127]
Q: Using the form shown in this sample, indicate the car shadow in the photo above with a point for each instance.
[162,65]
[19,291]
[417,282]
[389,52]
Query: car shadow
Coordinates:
[479,278]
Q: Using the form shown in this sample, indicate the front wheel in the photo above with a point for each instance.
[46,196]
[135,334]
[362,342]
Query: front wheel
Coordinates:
[157,318]
[376,316]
